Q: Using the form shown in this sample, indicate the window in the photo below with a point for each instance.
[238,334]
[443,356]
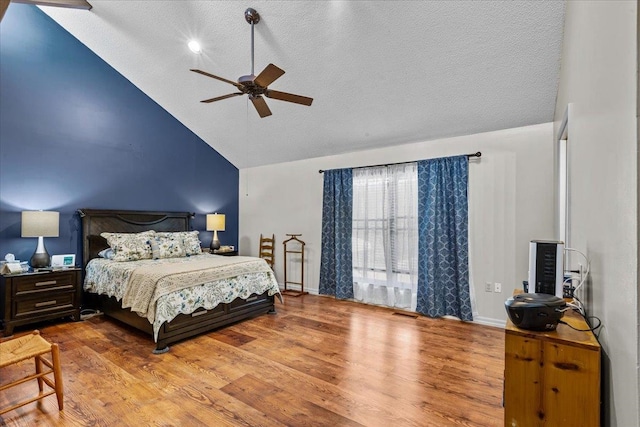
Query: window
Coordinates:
[385,234]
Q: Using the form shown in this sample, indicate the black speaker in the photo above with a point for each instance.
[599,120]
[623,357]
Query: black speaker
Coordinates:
[538,312]
[546,267]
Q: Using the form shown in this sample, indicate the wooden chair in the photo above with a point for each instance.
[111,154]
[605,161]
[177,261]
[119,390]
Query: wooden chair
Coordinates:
[267,248]
[25,347]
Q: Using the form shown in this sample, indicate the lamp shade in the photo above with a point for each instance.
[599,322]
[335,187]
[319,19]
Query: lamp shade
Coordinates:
[215,222]
[40,223]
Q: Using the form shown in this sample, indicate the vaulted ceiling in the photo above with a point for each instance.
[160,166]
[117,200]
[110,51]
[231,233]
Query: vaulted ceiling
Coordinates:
[380,72]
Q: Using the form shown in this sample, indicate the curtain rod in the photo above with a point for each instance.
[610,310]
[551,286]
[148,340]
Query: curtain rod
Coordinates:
[476,154]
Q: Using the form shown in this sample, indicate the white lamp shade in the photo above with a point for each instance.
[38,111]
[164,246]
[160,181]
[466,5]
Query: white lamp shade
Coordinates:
[215,222]
[40,223]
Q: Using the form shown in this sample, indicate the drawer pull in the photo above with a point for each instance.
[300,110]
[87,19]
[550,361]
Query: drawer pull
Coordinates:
[57,288]
[199,313]
[252,299]
[46,303]
[47,283]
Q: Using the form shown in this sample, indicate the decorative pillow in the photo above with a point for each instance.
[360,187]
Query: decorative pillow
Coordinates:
[130,246]
[167,246]
[190,240]
[106,253]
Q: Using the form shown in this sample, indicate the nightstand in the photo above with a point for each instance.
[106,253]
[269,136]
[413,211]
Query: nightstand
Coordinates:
[33,297]
[226,253]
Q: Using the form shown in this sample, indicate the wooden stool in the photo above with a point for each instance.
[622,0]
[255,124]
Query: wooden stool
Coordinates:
[25,347]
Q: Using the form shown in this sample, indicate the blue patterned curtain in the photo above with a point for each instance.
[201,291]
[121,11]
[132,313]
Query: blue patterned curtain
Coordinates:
[336,270]
[443,248]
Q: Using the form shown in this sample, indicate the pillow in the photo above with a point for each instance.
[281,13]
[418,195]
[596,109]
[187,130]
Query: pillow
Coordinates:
[130,246]
[106,253]
[190,240]
[171,246]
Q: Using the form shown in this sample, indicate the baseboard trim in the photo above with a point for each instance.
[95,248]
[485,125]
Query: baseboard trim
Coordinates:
[496,323]
[487,321]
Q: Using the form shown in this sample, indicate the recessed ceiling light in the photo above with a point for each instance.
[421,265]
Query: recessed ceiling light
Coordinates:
[195,46]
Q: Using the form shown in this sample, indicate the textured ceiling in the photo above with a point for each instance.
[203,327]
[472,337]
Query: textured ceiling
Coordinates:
[381,73]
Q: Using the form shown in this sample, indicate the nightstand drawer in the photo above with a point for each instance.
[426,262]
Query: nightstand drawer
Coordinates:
[50,303]
[45,282]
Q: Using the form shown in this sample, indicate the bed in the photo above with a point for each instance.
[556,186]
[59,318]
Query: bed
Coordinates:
[248,293]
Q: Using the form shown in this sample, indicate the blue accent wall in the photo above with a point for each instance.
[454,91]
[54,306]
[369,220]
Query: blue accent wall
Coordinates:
[74,133]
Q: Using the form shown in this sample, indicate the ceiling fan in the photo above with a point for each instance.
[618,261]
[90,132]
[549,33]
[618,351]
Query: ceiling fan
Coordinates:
[256,86]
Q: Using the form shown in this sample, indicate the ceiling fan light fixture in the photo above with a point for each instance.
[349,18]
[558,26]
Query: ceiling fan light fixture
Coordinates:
[195,47]
[256,86]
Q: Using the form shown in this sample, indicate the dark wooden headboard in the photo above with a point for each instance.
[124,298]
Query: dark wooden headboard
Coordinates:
[96,221]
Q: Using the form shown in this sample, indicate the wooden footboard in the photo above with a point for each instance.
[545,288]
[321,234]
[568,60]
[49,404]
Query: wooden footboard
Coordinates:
[189,325]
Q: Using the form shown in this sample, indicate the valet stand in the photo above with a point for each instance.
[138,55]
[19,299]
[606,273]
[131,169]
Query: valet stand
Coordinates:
[300,250]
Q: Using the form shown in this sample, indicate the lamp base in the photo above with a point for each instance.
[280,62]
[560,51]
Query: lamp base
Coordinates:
[40,260]
[215,243]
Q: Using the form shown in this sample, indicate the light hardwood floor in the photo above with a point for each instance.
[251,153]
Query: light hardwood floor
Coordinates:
[318,362]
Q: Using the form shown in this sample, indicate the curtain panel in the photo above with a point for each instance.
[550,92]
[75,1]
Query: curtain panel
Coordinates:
[443,228]
[336,270]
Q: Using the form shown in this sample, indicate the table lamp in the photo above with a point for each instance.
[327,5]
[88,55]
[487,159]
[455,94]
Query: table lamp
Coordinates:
[40,224]
[215,223]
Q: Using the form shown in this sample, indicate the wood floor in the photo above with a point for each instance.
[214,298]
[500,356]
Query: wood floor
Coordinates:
[318,362]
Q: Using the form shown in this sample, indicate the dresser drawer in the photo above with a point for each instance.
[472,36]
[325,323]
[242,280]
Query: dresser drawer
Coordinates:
[47,304]
[240,305]
[195,319]
[58,281]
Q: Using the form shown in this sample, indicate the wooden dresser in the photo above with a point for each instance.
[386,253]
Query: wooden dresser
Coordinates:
[552,378]
[32,297]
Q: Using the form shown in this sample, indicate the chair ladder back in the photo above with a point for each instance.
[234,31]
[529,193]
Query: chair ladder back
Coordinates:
[267,248]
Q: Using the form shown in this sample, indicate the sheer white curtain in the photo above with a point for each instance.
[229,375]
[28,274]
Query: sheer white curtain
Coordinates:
[385,235]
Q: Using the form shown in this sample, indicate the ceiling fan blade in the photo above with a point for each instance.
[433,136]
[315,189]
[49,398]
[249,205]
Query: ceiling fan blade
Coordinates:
[204,73]
[289,97]
[261,106]
[269,75]
[220,98]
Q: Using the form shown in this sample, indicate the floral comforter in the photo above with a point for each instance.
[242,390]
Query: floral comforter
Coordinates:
[112,278]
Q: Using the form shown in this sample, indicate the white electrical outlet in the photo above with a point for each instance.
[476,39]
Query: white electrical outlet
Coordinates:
[497,287]
[487,287]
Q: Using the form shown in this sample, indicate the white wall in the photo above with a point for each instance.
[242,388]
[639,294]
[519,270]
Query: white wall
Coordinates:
[510,192]
[598,77]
